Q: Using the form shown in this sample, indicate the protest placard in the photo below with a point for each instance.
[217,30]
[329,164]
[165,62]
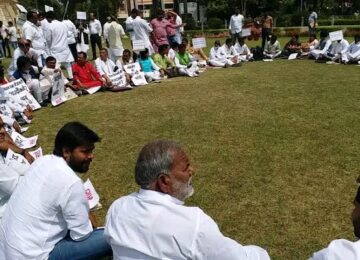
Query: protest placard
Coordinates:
[48,8]
[138,77]
[292,56]
[119,81]
[335,36]
[199,43]
[138,45]
[245,32]
[92,90]
[70,94]
[16,161]
[81,15]
[6,110]
[91,194]
[20,92]
[24,129]
[36,153]
[22,141]
[58,92]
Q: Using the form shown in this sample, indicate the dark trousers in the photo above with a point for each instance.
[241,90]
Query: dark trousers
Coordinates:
[73,50]
[234,38]
[265,32]
[6,48]
[95,39]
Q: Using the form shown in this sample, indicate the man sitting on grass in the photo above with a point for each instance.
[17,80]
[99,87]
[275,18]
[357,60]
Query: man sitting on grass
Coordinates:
[272,48]
[342,248]
[323,47]
[162,60]
[352,54]
[156,214]
[105,66]
[218,56]
[243,50]
[85,74]
[47,216]
[230,51]
[337,50]
[185,63]
[292,46]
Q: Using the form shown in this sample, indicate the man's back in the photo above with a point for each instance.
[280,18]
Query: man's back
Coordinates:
[49,201]
[57,33]
[154,225]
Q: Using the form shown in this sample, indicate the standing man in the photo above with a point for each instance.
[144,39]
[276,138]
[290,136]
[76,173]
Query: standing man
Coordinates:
[47,216]
[313,22]
[2,39]
[106,28]
[13,35]
[95,34]
[157,215]
[56,36]
[34,33]
[71,36]
[115,32]
[235,25]
[141,30]
[266,25]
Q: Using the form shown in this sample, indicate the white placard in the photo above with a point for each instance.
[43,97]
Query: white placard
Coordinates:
[48,8]
[36,153]
[21,8]
[337,35]
[22,141]
[58,92]
[20,92]
[138,78]
[199,43]
[6,110]
[81,15]
[17,161]
[245,32]
[138,45]
[93,90]
[131,68]
[119,81]
[70,94]
[24,129]
[91,194]
[292,56]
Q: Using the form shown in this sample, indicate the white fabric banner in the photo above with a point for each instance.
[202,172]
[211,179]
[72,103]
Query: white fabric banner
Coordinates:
[6,110]
[22,141]
[58,92]
[19,90]
[199,42]
[91,194]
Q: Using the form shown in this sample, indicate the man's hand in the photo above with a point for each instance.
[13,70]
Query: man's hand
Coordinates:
[93,220]
[28,157]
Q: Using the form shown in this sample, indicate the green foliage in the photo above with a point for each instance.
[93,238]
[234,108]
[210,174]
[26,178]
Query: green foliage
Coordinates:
[215,23]
[326,22]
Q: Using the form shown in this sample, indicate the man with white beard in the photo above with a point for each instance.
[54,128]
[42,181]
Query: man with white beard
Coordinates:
[154,224]
[56,37]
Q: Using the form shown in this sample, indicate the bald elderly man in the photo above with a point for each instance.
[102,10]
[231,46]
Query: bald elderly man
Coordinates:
[153,223]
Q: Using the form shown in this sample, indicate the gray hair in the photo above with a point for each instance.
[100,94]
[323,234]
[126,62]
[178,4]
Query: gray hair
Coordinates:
[155,159]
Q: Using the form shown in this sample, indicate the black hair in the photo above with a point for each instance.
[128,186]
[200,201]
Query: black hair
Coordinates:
[185,40]
[72,135]
[50,15]
[228,41]
[50,58]
[144,53]
[175,45]
[83,53]
[30,14]
[162,48]
[323,34]
[182,46]
[22,61]
[104,49]
[127,50]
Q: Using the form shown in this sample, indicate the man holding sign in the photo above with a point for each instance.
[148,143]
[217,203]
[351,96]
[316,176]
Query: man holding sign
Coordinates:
[51,197]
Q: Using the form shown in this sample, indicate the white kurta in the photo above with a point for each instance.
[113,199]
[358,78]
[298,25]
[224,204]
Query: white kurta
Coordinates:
[104,67]
[56,37]
[218,57]
[48,202]
[72,32]
[141,31]
[340,249]
[35,34]
[116,31]
[236,23]
[243,51]
[168,230]
[32,54]
[352,53]
[106,30]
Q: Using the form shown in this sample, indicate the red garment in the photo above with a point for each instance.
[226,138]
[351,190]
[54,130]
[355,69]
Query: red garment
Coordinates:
[87,75]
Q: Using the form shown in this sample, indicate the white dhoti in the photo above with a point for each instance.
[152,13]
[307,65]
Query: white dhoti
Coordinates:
[154,75]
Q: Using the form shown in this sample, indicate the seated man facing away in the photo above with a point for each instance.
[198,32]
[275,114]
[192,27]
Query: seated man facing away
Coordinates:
[185,63]
[47,75]
[272,48]
[153,223]
[218,56]
[342,249]
[243,50]
[148,66]
[85,74]
[352,54]
[26,72]
[337,50]
[162,60]
[47,216]
[292,46]
[322,48]
[105,66]
[230,51]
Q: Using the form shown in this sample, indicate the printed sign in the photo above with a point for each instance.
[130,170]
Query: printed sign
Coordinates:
[58,92]
[37,153]
[81,15]
[292,56]
[199,42]
[138,77]
[69,94]
[91,194]
[16,161]
[337,35]
[245,32]
[20,93]
[138,45]
[93,90]
[48,8]
[119,81]
[22,141]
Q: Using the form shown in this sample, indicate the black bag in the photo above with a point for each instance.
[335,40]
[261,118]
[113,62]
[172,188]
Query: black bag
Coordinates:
[258,53]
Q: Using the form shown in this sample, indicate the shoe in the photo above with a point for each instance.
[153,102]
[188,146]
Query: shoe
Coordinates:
[227,66]
[44,104]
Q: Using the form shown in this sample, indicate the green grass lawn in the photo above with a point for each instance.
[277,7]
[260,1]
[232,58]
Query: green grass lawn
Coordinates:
[275,146]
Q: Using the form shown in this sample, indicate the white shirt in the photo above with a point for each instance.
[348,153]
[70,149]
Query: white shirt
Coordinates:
[154,225]
[272,48]
[56,37]
[339,47]
[104,67]
[340,249]
[217,54]
[242,50]
[230,52]
[35,34]
[13,34]
[141,30]
[236,23]
[312,17]
[72,32]
[114,35]
[179,21]
[95,27]
[128,24]
[49,201]
[32,54]
[106,29]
